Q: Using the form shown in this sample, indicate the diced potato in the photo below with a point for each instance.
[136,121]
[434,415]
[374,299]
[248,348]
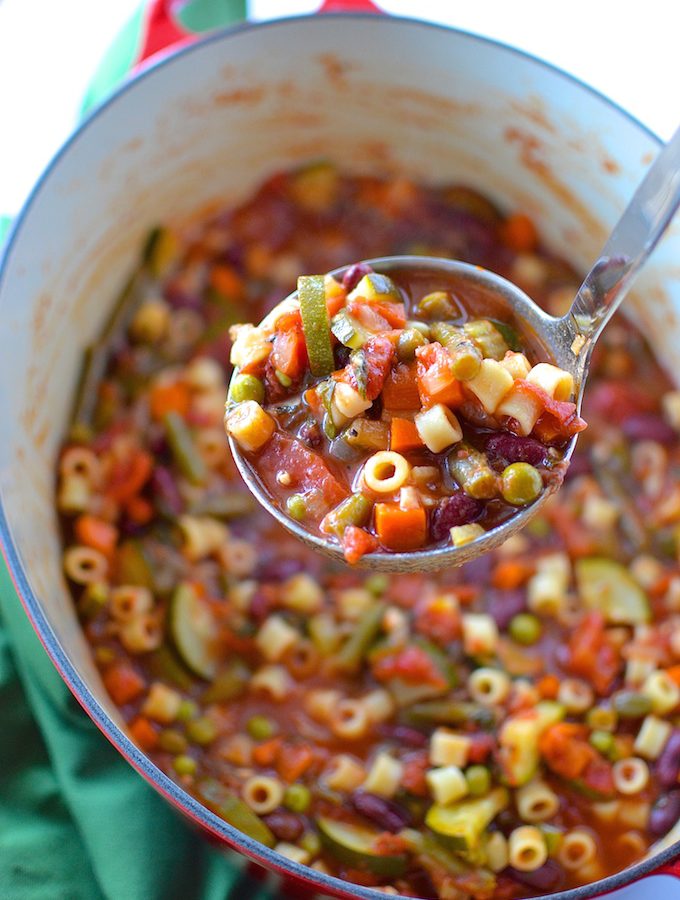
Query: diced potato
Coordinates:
[249,425]
[491,384]
[557,383]
[438,428]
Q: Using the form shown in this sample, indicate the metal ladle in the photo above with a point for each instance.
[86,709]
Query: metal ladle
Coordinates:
[567,341]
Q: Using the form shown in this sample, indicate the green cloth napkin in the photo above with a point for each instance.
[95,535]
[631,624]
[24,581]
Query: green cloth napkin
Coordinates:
[76,821]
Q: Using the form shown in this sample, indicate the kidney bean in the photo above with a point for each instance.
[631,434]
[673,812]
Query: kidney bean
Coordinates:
[668,764]
[458,509]
[310,434]
[280,569]
[503,606]
[665,813]
[648,427]
[354,274]
[285,825]
[503,449]
[405,735]
[549,877]
[384,813]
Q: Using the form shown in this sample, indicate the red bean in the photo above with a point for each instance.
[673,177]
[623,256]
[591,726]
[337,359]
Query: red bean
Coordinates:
[503,449]
[405,735]
[503,606]
[648,427]
[384,813]
[458,509]
[285,825]
[354,274]
[549,877]
[165,491]
[668,764]
[665,813]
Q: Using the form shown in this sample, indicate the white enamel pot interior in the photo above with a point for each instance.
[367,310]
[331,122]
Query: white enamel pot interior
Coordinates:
[205,127]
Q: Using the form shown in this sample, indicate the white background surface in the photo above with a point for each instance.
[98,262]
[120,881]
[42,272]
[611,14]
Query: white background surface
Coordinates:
[50,48]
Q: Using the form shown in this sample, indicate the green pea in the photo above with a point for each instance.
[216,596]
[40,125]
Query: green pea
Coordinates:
[525,628]
[377,584]
[521,484]
[422,327]
[602,741]
[201,731]
[602,718]
[478,780]
[261,728]
[438,306]
[632,704]
[311,842]
[539,527]
[172,741]
[409,341]
[184,765]
[247,387]
[297,798]
[296,507]
[188,709]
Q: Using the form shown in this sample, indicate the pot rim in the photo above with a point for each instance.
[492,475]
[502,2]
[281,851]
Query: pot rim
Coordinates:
[175,794]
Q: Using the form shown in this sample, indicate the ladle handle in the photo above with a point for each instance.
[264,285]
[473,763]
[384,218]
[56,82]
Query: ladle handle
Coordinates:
[634,237]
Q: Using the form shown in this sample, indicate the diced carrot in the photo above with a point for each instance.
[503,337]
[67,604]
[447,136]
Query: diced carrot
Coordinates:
[565,750]
[139,510]
[226,281]
[404,435]
[357,542]
[413,774]
[674,673]
[400,529]
[518,232]
[129,476]
[144,733]
[548,686]
[165,398]
[267,753]
[123,683]
[293,761]
[435,378]
[511,573]
[411,664]
[400,390]
[591,654]
[96,533]
[438,618]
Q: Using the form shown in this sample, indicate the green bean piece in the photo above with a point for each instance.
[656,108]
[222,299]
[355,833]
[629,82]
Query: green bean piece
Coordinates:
[184,765]
[478,780]
[93,600]
[315,324]
[521,483]
[164,664]
[260,728]
[296,507]
[233,810]
[632,704]
[246,387]
[409,341]
[437,306]
[188,459]
[525,628]
[487,337]
[172,741]
[466,358]
[188,709]
[602,741]
[355,510]
[229,684]
[223,505]
[133,566]
[452,712]
[348,330]
[297,798]
[553,838]
[510,336]
[201,731]
[471,470]
[160,251]
[365,434]
[355,648]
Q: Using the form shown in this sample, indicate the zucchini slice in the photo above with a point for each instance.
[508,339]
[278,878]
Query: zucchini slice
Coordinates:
[316,325]
[463,824]
[607,586]
[194,631]
[353,845]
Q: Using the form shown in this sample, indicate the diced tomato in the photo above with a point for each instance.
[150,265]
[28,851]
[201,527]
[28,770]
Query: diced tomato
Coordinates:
[559,419]
[368,315]
[393,312]
[357,542]
[123,683]
[378,353]
[591,655]
[144,733]
[289,352]
[509,574]
[267,754]
[617,400]
[481,745]
[438,618]
[565,750]
[165,398]
[293,761]
[436,381]
[129,475]
[96,533]
[413,774]
[411,664]
[306,468]
[598,776]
